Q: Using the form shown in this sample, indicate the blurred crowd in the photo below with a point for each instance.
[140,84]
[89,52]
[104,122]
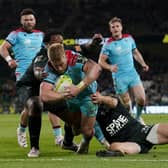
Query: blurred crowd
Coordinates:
[142,17]
[145,17]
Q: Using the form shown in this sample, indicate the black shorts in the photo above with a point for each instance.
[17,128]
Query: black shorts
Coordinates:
[140,138]
[56,108]
[25,92]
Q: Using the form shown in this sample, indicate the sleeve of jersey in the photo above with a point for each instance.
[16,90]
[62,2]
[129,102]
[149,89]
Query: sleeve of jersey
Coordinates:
[105,50]
[51,77]
[11,38]
[133,43]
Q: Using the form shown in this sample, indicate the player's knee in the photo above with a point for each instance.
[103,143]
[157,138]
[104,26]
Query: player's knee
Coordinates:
[140,101]
[87,131]
[34,106]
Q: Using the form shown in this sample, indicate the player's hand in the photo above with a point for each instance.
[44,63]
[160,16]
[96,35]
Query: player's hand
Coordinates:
[96,98]
[74,90]
[66,93]
[39,73]
[12,63]
[114,68]
[145,67]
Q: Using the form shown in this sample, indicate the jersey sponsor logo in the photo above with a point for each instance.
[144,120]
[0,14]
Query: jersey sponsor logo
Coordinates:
[116,125]
[27,41]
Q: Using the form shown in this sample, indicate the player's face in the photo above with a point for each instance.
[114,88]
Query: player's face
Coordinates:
[28,22]
[116,30]
[60,66]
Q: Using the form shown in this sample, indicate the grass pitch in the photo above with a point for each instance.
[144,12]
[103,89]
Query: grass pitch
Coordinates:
[11,155]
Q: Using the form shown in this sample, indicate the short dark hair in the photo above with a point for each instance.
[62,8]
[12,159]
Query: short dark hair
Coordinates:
[27,11]
[47,36]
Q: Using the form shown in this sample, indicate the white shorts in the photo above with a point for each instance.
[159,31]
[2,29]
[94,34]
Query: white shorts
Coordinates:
[152,137]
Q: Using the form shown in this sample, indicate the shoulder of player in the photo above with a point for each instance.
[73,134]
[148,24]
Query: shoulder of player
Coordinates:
[21,30]
[127,36]
[111,39]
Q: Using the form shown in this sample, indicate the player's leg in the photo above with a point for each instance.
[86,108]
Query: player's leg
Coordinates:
[139,95]
[87,124]
[121,86]
[23,93]
[68,143]
[158,134]
[100,136]
[57,130]
[71,119]
[126,101]
[35,109]
[126,147]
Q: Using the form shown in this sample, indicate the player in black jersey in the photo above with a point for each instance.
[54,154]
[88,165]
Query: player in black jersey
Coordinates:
[122,131]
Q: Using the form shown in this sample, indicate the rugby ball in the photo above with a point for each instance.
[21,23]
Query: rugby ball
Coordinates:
[62,82]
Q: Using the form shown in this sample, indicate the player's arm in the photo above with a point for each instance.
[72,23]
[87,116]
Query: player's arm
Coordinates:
[103,63]
[47,93]
[92,71]
[38,66]
[4,51]
[98,98]
[138,57]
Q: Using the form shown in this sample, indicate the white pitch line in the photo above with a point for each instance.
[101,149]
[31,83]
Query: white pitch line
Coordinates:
[91,160]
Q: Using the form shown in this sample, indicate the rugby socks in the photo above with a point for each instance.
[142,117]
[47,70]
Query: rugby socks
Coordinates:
[22,128]
[34,130]
[98,132]
[130,107]
[57,131]
[68,137]
[100,136]
[139,111]
[86,139]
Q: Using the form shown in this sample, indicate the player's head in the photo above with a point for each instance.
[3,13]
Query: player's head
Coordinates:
[57,57]
[115,25]
[97,38]
[27,19]
[53,37]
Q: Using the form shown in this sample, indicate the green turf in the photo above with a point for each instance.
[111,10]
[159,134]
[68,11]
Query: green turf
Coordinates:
[11,155]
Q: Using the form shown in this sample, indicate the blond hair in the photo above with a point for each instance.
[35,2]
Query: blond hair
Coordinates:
[56,52]
[115,19]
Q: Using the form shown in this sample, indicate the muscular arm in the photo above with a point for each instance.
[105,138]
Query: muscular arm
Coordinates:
[92,71]
[103,63]
[47,94]
[138,57]
[4,51]
[107,100]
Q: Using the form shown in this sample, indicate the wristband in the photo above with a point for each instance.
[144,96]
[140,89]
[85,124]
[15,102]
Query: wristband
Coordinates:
[81,84]
[8,58]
